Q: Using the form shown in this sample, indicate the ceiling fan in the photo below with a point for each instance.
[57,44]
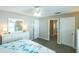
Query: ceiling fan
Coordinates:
[37,11]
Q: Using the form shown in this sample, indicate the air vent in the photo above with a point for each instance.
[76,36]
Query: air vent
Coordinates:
[36,6]
[58,13]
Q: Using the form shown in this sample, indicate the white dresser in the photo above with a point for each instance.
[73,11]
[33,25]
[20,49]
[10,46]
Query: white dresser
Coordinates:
[15,36]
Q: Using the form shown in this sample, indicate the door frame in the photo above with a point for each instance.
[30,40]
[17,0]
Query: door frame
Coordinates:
[58,31]
[58,28]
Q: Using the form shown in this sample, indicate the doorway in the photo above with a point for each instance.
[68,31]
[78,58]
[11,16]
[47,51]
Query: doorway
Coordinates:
[53,30]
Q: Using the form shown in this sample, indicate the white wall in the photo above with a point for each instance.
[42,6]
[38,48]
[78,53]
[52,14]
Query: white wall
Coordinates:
[77,22]
[43,28]
[27,19]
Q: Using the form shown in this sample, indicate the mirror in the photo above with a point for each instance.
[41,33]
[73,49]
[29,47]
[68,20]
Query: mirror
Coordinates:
[15,25]
[18,26]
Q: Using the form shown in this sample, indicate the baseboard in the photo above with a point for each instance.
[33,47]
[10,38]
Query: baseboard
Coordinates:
[58,43]
[44,38]
[74,47]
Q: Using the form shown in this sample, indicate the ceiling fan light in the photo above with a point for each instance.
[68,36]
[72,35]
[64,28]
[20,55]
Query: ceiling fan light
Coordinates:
[37,14]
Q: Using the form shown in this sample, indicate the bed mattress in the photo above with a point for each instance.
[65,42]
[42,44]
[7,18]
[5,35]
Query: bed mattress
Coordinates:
[24,46]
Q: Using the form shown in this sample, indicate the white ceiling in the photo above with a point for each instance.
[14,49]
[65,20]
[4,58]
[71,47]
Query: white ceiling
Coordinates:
[45,10]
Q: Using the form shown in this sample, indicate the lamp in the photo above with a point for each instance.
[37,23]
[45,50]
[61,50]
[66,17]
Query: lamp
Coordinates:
[4,28]
[24,27]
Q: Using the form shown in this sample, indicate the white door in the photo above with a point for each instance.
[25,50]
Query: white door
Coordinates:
[67,31]
[36,29]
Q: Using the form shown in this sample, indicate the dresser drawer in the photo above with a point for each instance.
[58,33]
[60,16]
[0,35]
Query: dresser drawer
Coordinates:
[15,36]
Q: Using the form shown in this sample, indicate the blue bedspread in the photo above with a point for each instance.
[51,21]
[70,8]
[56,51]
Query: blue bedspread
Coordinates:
[23,46]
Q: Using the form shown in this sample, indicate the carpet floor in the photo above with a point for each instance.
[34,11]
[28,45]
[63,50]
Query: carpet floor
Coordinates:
[52,44]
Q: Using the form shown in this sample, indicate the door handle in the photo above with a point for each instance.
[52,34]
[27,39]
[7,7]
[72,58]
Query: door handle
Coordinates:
[72,33]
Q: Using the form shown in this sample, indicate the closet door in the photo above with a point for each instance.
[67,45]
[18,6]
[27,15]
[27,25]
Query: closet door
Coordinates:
[67,31]
[36,29]
[77,44]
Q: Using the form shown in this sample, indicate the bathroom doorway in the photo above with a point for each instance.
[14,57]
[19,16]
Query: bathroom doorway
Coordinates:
[53,30]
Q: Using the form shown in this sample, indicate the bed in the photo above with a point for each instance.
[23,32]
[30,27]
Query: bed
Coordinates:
[24,46]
